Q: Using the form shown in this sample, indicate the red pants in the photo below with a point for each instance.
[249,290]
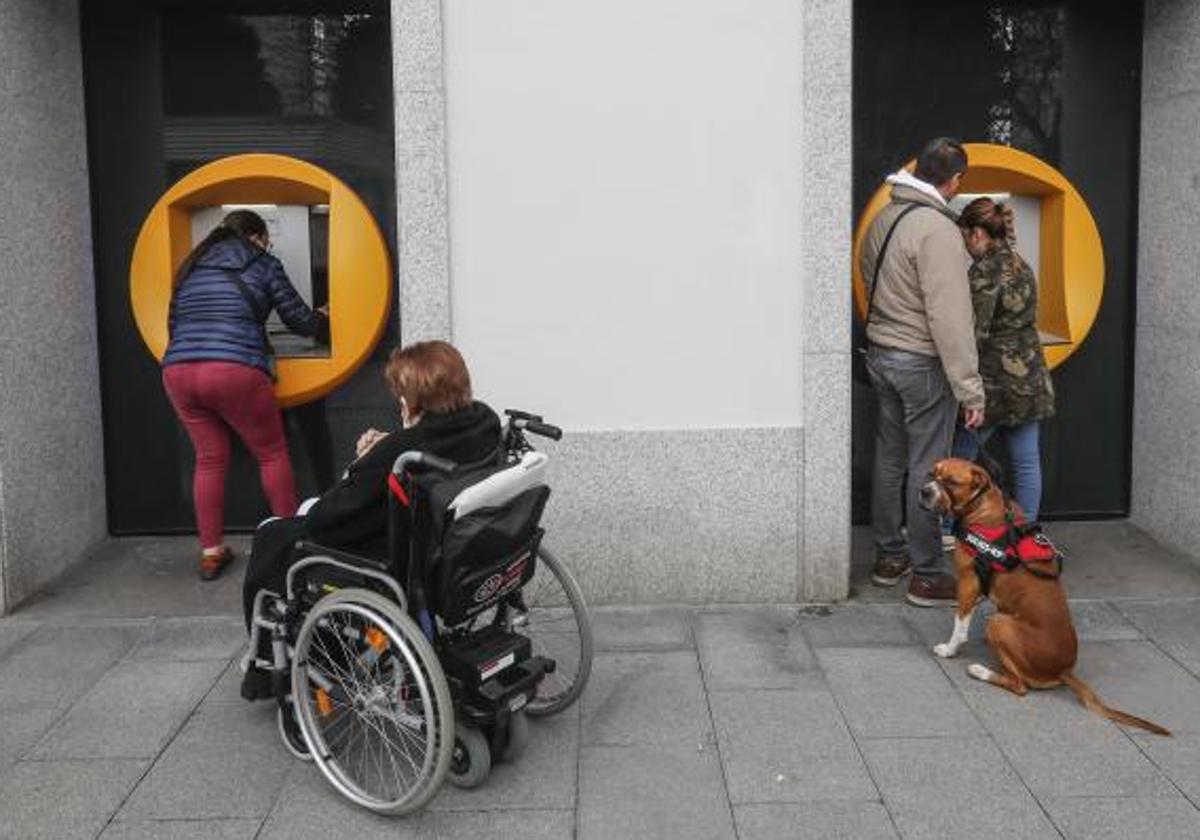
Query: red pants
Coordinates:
[210,398]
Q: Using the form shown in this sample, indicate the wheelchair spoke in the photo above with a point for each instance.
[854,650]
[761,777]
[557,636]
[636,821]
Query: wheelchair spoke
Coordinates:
[374,702]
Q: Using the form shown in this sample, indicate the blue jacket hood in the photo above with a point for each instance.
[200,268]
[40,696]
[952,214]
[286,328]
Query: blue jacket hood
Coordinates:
[234,254]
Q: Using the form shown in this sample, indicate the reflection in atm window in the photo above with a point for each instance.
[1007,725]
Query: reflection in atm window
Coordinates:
[299,236]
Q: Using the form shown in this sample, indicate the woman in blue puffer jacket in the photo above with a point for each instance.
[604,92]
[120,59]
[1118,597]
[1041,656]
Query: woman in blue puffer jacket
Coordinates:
[217,370]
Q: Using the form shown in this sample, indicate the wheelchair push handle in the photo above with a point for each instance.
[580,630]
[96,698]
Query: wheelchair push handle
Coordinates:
[412,458]
[527,422]
[543,429]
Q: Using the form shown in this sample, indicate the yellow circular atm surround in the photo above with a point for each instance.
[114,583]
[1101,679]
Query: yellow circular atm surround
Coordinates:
[1071,267]
[360,286]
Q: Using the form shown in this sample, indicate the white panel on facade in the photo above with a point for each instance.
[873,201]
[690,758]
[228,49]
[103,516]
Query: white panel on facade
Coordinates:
[625,194]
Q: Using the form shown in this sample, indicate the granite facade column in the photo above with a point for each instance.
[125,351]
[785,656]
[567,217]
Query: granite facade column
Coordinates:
[423,252]
[1166,451]
[52,506]
[824,568]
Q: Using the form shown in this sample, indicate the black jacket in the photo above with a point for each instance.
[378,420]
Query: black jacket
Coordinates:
[352,515]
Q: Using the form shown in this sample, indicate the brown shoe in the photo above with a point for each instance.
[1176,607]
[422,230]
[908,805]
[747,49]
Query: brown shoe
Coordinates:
[936,591]
[889,569]
[211,565]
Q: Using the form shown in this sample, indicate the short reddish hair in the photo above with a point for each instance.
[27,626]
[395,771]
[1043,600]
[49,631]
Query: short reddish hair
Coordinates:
[430,376]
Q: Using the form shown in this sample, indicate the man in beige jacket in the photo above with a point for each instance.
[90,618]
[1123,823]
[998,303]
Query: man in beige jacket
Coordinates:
[922,362]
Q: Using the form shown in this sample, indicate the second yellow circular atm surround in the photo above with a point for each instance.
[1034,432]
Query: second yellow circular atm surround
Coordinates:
[359,269]
[1071,268]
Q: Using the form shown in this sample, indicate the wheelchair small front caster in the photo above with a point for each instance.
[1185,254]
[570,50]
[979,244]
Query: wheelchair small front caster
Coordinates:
[518,737]
[289,731]
[471,761]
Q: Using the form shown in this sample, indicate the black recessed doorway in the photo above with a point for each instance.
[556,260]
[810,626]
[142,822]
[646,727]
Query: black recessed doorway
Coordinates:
[1059,80]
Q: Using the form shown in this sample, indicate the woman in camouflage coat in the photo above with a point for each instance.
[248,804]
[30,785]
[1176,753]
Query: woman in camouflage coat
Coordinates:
[1016,381]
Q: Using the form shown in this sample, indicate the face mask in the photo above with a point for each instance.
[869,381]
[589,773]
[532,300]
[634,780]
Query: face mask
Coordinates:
[407,420]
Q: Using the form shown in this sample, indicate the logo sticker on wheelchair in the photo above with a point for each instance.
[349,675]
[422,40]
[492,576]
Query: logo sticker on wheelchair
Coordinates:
[502,582]
[489,588]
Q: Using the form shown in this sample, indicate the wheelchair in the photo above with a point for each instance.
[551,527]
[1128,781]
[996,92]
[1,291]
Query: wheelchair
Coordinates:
[393,675]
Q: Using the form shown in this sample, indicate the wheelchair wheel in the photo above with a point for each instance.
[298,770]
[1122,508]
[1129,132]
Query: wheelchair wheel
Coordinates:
[551,612]
[372,702]
[472,759]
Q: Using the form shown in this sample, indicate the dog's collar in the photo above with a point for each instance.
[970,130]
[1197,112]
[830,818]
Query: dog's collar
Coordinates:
[970,503]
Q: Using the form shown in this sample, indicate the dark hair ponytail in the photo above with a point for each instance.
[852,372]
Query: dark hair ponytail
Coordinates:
[243,223]
[995,219]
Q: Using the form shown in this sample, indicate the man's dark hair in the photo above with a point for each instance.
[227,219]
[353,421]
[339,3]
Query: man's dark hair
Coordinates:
[940,160]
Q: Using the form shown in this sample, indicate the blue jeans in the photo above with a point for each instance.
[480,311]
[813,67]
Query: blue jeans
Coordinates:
[1024,459]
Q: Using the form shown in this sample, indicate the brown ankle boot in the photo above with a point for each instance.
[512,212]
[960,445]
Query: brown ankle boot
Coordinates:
[211,565]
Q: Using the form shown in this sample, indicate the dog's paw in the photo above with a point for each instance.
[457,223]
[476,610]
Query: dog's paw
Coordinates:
[980,672]
[945,650]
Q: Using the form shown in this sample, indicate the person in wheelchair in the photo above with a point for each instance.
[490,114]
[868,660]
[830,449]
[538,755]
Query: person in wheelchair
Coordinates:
[432,387]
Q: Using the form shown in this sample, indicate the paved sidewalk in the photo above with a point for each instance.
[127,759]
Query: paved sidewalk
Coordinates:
[119,718]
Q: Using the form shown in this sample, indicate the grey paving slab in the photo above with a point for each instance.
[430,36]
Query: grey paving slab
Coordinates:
[645,698]
[542,778]
[1119,560]
[191,639]
[814,821]
[857,625]
[227,691]
[640,628]
[12,632]
[957,768]
[62,800]
[51,668]
[931,817]
[21,729]
[504,825]
[1158,817]
[143,578]
[1136,677]
[650,790]
[131,712]
[1172,625]
[227,761]
[1100,621]
[947,787]
[1178,757]
[308,807]
[182,830]
[895,692]
[753,648]
[787,746]
[1057,746]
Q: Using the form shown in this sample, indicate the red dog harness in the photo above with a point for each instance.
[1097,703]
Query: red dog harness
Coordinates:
[996,549]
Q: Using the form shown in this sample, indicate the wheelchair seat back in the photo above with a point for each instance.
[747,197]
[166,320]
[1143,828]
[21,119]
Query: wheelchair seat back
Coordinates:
[483,534]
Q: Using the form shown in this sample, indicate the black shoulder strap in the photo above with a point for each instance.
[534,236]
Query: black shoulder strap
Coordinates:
[236,276]
[879,260]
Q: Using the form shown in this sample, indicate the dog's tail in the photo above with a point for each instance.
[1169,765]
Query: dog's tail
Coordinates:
[1088,697]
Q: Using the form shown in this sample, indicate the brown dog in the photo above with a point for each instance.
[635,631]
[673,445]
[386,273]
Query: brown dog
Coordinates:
[1032,634]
